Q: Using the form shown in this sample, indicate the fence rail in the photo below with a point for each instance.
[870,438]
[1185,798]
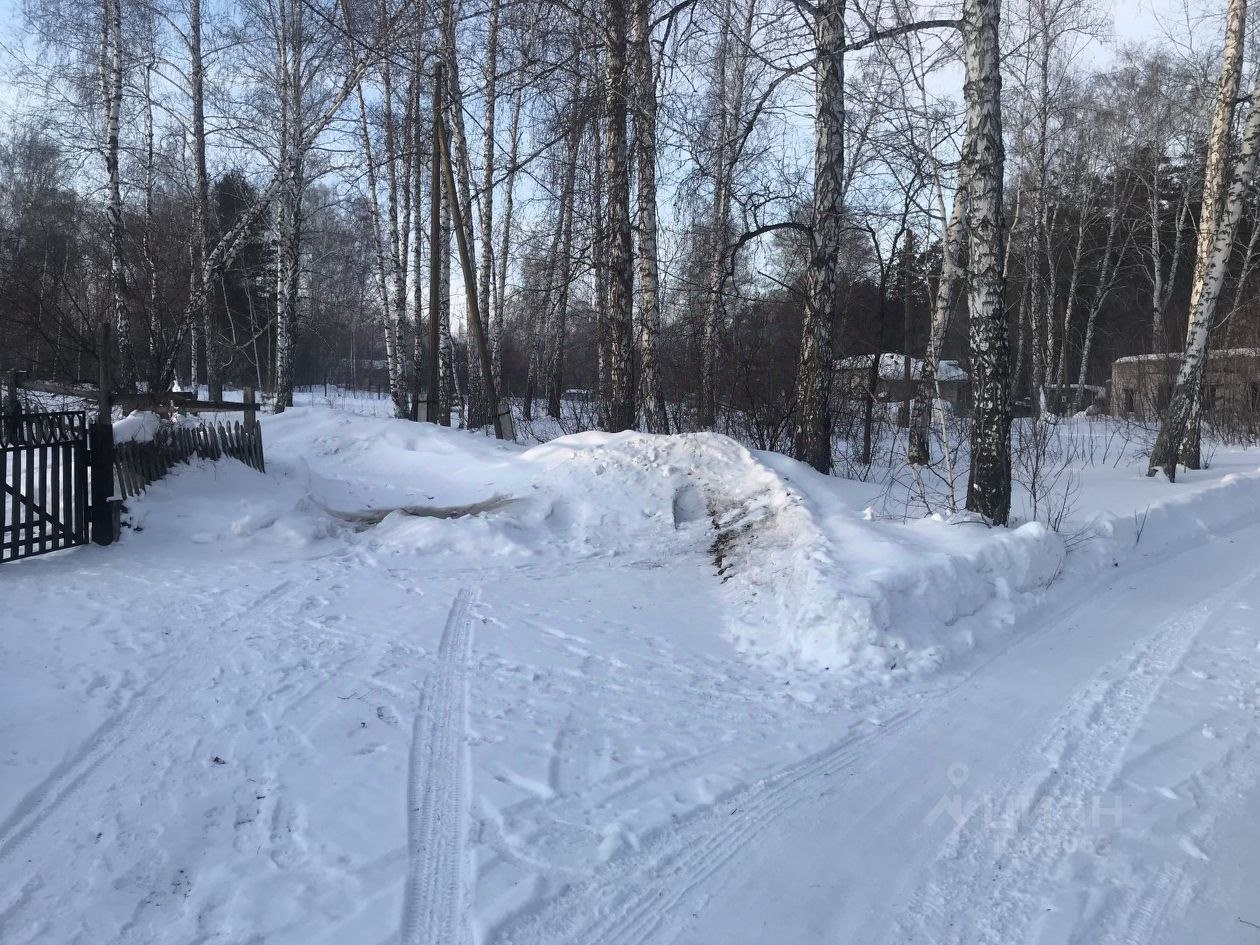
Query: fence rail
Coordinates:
[136,465]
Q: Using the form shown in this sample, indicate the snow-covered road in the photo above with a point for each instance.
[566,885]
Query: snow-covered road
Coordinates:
[280,728]
[1068,790]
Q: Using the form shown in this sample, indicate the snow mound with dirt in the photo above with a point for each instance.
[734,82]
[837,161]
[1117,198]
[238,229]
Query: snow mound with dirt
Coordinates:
[821,582]
[812,578]
[809,578]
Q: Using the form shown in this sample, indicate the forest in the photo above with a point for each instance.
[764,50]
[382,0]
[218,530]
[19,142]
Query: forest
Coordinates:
[687,215]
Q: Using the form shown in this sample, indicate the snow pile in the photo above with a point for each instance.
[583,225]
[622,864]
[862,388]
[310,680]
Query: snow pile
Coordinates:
[811,579]
[810,576]
[139,426]
[820,582]
[423,488]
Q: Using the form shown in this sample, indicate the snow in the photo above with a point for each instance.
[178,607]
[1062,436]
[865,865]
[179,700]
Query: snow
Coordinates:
[139,426]
[1178,355]
[415,684]
[892,367]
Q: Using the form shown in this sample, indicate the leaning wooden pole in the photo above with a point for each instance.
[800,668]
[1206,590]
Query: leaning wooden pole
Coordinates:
[502,417]
[433,396]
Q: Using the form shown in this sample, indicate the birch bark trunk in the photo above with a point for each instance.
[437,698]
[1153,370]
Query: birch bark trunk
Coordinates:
[919,451]
[1213,186]
[619,323]
[111,78]
[989,481]
[719,236]
[651,394]
[1205,293]
[203,314]
[289,212]
[811,442]
[485,271]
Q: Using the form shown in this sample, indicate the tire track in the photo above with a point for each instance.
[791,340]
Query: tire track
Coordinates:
[988,882]
[627,900]
[433,899]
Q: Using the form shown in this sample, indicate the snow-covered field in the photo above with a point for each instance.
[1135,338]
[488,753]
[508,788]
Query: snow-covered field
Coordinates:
[414,685]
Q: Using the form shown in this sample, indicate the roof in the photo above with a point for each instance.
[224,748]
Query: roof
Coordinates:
[892,367]
[1178,355]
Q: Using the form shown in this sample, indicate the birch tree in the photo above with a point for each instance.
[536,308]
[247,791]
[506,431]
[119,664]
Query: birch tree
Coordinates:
[651,394]
[617,326]
[111,83]
[989,482]
[811,442]
[1210,266]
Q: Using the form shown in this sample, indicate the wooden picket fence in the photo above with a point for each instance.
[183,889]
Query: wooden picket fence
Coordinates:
[138,464]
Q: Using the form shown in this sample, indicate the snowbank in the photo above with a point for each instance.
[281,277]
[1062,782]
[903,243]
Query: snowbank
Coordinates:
[139,426]
[820,582]
[892,367]
[811,578]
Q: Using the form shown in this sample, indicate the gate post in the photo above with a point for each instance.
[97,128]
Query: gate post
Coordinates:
[104,513]
[13,407]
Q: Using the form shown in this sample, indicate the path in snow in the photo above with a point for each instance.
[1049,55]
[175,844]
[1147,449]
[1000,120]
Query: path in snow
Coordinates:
[433,907]
[1002,813]
[207,736]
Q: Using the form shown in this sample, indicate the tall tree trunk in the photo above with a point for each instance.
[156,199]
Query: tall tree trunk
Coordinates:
[812,440]
[397,206]
[452,397]
[619,323]
[919,451]
[111,77]
[907,332]
[289,212]
[201,202]
[509,200]
[651,393]
[433,399]
[1108,268]
[1213,187]
[1204,294]
[715,301]
[989,482]
[485,272]
[385,285]
[154,374]
[561,269]
[475,409]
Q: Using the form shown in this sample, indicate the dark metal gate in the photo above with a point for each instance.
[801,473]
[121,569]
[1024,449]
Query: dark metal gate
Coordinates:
[45,496]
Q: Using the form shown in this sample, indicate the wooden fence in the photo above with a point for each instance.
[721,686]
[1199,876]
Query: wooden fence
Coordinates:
[138,464]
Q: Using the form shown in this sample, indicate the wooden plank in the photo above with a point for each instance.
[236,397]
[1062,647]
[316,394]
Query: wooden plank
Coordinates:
[258,447]
[81,491]
[41,479]
[52,387]
[15,518]
[58,500]
[30,496]
[66,473]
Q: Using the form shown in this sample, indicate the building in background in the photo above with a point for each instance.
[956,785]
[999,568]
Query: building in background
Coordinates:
[1142,385]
